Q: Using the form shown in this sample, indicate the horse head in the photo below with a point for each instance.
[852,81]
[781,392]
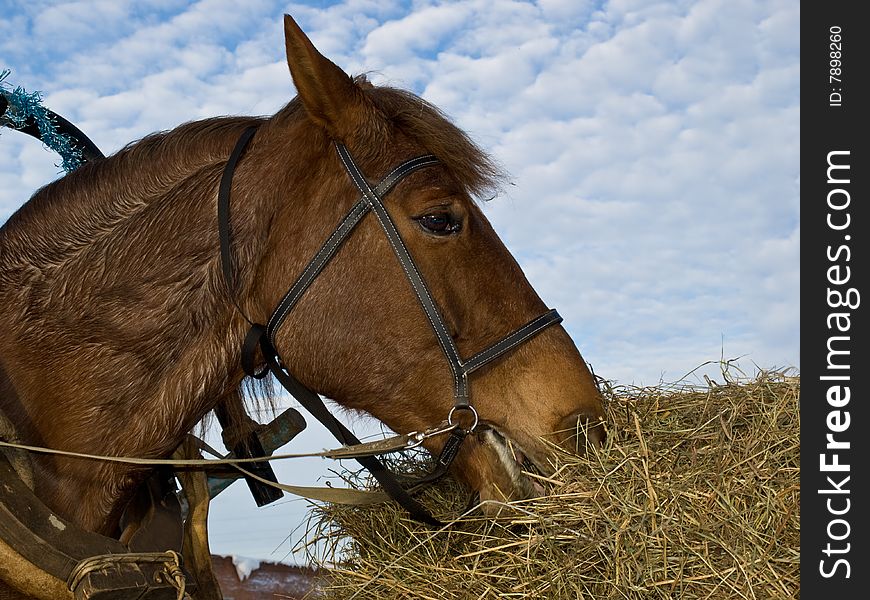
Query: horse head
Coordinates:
[359,335]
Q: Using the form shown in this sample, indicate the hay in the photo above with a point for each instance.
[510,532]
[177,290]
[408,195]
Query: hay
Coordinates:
[695,495]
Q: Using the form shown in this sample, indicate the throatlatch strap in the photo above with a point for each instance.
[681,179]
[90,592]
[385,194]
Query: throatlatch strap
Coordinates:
[253,341]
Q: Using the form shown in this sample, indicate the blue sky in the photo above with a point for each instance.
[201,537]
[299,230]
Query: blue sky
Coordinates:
[652,147]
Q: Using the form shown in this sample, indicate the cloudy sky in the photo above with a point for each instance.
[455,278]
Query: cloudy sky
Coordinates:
[652,147]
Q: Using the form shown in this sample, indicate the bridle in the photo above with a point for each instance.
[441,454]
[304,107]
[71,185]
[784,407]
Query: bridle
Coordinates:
[262,337]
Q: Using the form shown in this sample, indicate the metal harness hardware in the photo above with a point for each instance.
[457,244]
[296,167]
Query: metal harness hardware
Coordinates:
[262,337]
[171,561]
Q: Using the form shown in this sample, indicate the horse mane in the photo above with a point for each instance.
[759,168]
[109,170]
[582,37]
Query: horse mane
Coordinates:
[98,214]
[72,213]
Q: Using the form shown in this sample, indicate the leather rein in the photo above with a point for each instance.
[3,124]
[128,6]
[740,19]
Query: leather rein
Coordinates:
[262,336]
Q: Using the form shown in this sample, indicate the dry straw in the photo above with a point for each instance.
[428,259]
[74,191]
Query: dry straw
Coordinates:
[695,495]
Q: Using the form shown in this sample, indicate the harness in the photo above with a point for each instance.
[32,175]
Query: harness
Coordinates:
[24,111]
[262,336]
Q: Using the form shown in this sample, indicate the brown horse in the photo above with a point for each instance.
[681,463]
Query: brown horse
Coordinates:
[119,333]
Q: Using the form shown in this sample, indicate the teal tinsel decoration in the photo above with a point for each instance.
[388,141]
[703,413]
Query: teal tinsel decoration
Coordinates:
[24,105]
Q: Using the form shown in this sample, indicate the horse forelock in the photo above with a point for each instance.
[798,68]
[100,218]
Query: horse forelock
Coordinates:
[478,174]
[394,111]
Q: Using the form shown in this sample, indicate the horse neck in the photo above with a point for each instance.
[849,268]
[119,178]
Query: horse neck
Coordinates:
[111,275]
[121,331]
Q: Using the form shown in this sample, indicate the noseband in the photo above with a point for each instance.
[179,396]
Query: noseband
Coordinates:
[262,337]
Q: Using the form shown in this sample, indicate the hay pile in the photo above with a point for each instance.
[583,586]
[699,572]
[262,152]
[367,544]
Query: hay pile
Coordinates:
[695,495]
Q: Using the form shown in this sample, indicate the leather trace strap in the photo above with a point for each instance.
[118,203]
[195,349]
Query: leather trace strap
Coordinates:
[263,337]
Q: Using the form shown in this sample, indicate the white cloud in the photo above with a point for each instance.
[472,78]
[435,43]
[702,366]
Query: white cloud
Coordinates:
[421,31]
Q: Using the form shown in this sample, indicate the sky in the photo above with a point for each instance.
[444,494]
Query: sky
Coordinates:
[652,149]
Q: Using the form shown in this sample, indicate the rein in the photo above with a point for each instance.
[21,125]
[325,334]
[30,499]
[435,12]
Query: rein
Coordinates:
[262,337]
[396,443]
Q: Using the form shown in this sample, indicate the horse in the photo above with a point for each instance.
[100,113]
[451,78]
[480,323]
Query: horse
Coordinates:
[120,332]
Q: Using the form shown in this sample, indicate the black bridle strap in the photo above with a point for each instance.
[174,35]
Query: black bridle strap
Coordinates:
[258,336]
[339,235]
[506,344]
[459,368]
[223,210]
[445,340]
[252,340]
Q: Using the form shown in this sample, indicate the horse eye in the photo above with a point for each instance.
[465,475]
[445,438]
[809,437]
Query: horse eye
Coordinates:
[439,223]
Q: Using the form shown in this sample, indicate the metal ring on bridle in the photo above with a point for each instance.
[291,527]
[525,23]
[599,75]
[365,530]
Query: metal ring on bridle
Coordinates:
[473,412]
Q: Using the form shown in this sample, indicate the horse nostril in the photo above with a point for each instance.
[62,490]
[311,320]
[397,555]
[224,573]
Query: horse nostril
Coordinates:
[579,431]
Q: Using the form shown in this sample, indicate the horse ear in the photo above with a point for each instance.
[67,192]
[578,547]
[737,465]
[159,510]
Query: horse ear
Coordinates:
[329,95]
